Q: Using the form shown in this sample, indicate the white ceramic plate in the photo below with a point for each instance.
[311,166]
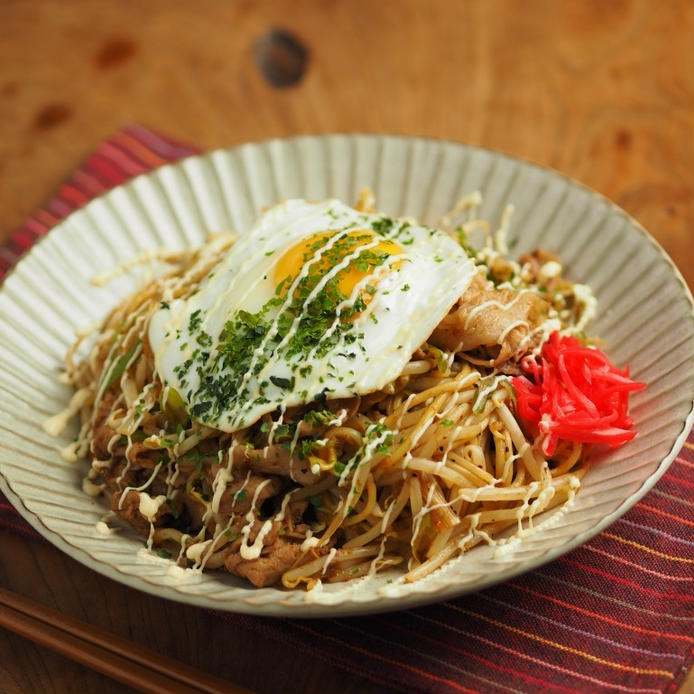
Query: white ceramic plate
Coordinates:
[646,316]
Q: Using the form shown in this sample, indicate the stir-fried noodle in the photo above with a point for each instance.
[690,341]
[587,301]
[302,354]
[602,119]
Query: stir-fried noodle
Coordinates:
[411,475]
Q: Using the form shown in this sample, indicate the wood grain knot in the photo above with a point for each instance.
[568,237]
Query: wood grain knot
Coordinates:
[280,57]
[114,52]
[50,115]
[9,89]
[622,139]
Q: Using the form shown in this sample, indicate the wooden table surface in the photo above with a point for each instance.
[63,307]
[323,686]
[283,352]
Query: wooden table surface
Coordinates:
[600,90]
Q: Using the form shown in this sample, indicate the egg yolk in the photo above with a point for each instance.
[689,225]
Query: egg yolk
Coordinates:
[314,257]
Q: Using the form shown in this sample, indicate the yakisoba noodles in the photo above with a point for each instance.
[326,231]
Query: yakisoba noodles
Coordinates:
[338,392]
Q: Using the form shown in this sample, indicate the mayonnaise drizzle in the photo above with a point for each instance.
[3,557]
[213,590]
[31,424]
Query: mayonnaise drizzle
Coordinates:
[584,296]
[149,506]
[88,487]
[219,485]
[142,487]
[309,542]
[512,326]
[253,551]
[481,308]
[320,286]
[102,528]
[56,424]
[328,558]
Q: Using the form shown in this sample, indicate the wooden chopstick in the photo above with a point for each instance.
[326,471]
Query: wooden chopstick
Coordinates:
[118,658]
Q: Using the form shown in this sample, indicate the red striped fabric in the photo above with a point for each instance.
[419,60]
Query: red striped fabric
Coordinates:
[615,615]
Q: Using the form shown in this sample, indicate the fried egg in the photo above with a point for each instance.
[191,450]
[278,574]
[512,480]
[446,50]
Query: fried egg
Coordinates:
[317,301]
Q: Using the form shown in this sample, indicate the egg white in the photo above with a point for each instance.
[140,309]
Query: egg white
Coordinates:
[409,293]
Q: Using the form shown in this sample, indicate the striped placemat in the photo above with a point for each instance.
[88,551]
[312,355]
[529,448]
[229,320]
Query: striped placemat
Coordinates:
[615,615]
